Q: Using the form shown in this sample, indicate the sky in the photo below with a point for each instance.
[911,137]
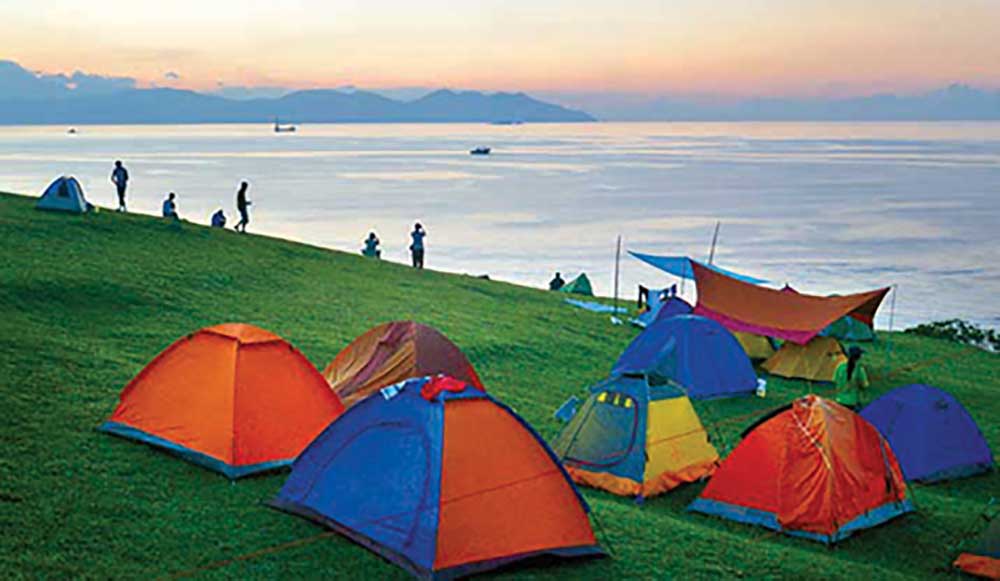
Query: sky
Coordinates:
[733,48]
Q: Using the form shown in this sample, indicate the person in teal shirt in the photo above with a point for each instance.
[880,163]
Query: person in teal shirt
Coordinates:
[851,379]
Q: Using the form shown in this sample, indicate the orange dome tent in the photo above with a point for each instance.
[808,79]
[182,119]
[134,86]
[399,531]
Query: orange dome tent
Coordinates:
[233,398]
[813,469]
[394,352]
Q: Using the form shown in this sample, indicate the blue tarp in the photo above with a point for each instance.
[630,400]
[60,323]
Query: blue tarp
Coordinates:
[697,353]
[933,436]
[681,266]
[595,307]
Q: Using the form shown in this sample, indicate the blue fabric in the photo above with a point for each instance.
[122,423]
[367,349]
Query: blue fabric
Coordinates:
[594,307]
[681,266]
[932,435]
[769,520]
[697,353]
[203,460]
[672,308]
[376,472]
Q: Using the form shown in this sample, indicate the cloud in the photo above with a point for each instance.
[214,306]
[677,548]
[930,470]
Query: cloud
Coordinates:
[171,76]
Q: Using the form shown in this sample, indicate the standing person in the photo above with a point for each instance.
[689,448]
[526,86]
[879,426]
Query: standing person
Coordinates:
[170,207]
[417,247]
[243,205]
[850,379]
[119,177]
[557,282]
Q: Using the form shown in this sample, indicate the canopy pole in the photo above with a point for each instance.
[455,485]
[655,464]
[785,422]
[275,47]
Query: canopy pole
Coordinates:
[618,259]
[892,320]
[715,239]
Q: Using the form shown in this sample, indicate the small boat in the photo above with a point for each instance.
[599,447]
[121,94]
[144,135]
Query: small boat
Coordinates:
[71,131]
[279,128]
[480,151]
[506,122]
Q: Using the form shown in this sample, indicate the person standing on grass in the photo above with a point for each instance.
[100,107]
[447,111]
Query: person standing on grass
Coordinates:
[850,379]
[119,177]
[417,247]
[557,282]
[243,206]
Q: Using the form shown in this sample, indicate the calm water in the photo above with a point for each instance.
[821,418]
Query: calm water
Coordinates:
[825,207]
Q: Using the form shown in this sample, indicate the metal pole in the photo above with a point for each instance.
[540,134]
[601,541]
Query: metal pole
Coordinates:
[892,319]
[715,239]
[618,258]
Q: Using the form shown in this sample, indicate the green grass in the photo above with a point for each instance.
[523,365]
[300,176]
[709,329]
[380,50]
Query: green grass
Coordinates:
[88,300]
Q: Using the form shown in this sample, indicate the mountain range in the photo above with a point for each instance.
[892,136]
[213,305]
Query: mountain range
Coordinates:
[28,98]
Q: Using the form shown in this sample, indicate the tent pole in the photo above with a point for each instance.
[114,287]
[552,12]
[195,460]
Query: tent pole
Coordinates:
[892,319]
[618,258]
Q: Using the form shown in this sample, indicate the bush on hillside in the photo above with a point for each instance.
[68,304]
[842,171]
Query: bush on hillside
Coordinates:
[961,332]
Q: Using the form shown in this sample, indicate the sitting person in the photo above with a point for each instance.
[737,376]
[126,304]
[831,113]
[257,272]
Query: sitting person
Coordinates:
[219,219]
[557,282]
[371,246]
[170,207]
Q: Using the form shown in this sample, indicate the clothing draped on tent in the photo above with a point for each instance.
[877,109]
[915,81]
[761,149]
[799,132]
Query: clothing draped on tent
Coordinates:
[791,316]
[634,439]
[680,266]
[813,469]
[233,398]
[933,436]
[696,353]
[440,479]
[393,352]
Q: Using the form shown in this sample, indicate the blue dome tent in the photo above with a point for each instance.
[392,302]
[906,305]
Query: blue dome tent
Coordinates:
[696,353]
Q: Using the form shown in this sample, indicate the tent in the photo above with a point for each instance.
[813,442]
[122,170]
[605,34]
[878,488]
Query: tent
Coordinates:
[812,469]
[984,559]
[755,346]
[233,398]
[392,352]
[790,316]
[578,286]
[817,360]
[696,353]
[848,328]
[933,436]
[441,479]
[634,439]
[65,194]
[680,266]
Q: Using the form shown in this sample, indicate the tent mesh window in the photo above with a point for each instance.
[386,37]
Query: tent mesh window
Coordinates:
[606,431]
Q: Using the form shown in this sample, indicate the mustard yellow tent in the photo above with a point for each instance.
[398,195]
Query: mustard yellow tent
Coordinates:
[756,346]
[815,361]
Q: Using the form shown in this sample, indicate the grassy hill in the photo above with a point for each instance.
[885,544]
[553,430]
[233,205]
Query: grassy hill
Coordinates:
[87,301]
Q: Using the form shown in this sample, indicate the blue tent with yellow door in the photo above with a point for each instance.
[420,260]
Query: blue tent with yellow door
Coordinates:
[636,439]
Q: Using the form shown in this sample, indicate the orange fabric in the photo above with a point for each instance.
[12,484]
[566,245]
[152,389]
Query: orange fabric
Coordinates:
[663,482]
[747,307]
[979,565]
[501,492]
[394,352]
[817,466]
[233,392]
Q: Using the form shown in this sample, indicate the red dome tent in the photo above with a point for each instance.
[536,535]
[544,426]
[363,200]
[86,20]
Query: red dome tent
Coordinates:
[233,398]
[813,469]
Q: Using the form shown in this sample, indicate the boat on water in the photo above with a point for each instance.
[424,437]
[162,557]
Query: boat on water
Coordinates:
[480,151]
[279,128]
[506,122]
[71,131]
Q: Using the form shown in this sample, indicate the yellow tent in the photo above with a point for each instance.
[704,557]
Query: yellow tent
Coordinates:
[756,346]
[816,360]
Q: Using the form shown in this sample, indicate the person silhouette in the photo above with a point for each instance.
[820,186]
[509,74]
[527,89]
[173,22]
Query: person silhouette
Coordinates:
[119,177]
[417,246]
[243,206]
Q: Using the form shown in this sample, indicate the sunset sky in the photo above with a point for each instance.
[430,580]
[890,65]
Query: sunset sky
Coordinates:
[735,47]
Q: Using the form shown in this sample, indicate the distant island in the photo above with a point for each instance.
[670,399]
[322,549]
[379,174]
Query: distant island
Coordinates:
[29,99]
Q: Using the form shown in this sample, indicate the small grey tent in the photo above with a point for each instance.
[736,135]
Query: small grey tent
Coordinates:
[64,195]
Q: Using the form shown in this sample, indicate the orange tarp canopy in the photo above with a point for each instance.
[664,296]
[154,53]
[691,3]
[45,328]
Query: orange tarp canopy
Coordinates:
[795,317]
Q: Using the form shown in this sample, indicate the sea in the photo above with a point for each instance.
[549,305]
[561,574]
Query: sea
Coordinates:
[825,207]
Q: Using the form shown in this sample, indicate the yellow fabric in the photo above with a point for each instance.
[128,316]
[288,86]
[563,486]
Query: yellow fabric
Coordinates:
[817,360]
[756,346]
[677,446]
